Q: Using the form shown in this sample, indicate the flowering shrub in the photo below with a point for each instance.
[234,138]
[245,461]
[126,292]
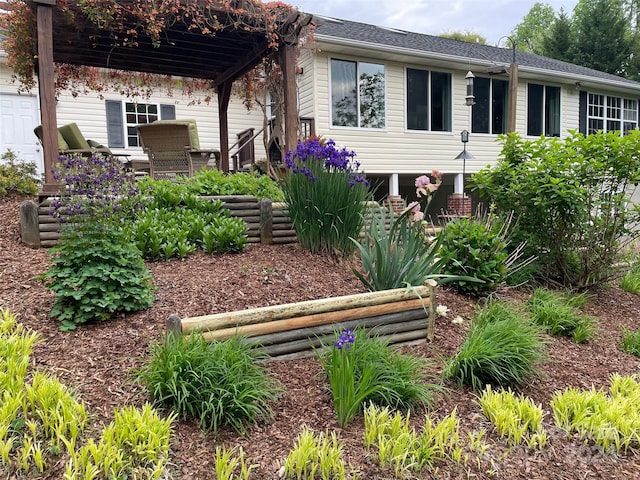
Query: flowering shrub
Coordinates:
[17,176]
[96,270]
[326,195]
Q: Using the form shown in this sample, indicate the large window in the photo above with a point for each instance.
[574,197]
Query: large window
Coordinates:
[489,114]
[611,114]
[357,94]
[428,100]
[543,110]
[122,118]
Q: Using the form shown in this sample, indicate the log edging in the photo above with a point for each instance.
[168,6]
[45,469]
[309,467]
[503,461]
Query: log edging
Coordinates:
[295,329]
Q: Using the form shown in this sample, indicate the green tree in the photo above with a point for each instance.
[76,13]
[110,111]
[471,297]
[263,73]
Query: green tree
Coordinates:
[557,42]
[467,36]
[602,36]
[529,33]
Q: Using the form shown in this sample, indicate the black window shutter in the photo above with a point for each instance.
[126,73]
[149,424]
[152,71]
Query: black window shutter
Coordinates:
[167,112]
[582,124]
[115,129]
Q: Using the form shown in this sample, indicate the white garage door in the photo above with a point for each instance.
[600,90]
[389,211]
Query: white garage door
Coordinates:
[18,117]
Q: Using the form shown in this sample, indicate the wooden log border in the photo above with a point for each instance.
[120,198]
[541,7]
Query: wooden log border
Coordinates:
[294,329]
[267,222]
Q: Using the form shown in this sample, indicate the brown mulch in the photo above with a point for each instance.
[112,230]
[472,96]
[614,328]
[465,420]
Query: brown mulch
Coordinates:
[97,361]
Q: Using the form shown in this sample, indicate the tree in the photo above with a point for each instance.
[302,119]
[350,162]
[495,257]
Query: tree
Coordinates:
[471,37]
[601,36]
[529,33]
[557,42]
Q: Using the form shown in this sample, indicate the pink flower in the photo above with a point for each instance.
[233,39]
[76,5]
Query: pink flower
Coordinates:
[437,174]
[416,214]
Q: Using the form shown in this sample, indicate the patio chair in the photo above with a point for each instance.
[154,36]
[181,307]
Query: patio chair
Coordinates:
[173,148]
[72,141]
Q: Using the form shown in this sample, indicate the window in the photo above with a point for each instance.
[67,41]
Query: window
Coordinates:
[122,118]
[543,110]
[357,94]
[611,114]
[489,114]
[428,100]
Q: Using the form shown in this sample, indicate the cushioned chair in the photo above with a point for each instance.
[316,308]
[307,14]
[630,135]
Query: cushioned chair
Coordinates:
[71,140]
[173,148]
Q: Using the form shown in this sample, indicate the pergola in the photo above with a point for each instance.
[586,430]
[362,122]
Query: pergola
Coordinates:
[221,58]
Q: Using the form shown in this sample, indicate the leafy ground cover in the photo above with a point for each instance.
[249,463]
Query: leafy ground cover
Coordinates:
[96,361]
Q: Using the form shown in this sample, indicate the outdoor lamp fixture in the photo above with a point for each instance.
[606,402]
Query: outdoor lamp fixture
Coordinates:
[464,155]
[470,99]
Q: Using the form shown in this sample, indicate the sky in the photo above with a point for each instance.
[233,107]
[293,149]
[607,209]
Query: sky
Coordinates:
[492,19]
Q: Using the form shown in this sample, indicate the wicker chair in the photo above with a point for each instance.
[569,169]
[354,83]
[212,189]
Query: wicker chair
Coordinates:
[173,149]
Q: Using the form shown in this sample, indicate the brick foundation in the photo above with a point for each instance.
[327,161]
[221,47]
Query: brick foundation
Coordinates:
[397,203]
[459,205]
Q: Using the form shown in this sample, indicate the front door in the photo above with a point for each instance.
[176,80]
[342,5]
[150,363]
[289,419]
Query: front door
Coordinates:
[18,117]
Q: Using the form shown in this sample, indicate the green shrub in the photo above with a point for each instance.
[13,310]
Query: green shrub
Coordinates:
[571,196]
[17,176]
[364,369]
[220,383]
[96,271]
[476,249]
[559,314]
[631,280]
[214,182]
[175,222]
[502,348]
[630,342]
[94,275]
[325,196]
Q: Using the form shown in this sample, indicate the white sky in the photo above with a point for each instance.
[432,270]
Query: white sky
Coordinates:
[491,18]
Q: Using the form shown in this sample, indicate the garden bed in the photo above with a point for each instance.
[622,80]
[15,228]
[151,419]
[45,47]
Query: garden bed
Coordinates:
[96,361]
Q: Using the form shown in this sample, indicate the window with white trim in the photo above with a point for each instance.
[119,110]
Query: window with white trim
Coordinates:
[122,118]
[428,100]
[611,114]
[136,114]
[543,110]
[357,94]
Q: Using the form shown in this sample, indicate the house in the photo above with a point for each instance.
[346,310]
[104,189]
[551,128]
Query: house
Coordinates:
[398,99]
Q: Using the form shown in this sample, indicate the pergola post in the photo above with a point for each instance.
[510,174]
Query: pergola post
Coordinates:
[224,95]
[288,67]
[46,86]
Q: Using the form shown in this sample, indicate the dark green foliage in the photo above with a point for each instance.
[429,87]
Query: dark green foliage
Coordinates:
[95,274]
[219,383]
[16,176]
[559,314]
[502,348]
[175,222]
[630,342]
[475,248]
[571,200]
[399,257]
[214,182]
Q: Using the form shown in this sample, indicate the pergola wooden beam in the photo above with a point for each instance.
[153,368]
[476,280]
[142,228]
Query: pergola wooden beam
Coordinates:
[182,53]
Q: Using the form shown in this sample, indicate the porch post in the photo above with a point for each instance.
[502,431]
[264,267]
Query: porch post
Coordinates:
[288,67]
[224,94]
[46,87]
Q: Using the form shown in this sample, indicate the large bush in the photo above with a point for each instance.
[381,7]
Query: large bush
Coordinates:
[572,199]
[17,176]
[214,182]
[326,196]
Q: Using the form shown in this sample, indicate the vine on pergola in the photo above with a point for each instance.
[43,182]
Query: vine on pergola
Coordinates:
[126,21]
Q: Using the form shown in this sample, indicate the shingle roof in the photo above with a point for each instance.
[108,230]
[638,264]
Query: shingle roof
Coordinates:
[347,30]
